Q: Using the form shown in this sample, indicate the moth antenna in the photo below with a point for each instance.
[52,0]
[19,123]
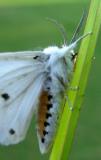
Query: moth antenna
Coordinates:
[60,28]
[79,26]
[74,44]
[82,37]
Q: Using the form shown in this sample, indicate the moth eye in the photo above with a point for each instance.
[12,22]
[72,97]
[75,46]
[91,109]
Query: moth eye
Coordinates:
[74,56]
[36,57]
[42,140]
[5,96]
[46,124]
[12,131]
[48,115]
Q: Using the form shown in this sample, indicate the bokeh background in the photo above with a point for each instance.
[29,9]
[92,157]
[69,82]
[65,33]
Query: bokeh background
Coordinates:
[23,26]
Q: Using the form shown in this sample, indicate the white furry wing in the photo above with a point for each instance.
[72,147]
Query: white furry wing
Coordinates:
[21,82]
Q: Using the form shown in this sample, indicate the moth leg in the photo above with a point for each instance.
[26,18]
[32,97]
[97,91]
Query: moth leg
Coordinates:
[63,84]
[73,88]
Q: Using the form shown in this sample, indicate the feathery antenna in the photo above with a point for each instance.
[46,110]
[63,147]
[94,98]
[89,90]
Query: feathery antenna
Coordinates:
[82,37]
[79,26]
[60,28]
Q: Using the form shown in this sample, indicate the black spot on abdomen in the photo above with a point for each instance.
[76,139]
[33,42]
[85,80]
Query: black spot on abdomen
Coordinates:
[49,106]
[48,115]
[50,97]
[46,124]
[42,140]
[45,132]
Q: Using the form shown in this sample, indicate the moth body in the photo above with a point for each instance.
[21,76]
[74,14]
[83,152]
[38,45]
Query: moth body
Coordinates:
[52,94]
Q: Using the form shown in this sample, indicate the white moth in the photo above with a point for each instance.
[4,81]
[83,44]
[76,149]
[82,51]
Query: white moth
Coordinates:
[33,81]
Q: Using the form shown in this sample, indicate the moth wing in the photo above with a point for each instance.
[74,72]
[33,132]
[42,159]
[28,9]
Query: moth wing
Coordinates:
[16,74]
[15,118]
[20,54]
[21,82]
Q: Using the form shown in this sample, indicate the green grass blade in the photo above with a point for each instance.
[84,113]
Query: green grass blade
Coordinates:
[66,131]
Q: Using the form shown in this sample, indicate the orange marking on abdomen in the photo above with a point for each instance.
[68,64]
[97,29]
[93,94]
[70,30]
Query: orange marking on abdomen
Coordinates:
[42,112]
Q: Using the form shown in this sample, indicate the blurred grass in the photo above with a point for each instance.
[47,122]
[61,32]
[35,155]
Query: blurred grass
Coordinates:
[26,27]
[23,27]
[35,2]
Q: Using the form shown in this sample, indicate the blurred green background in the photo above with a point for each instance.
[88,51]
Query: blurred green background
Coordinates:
[23,27]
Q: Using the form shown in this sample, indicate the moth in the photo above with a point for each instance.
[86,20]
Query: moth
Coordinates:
[34,82]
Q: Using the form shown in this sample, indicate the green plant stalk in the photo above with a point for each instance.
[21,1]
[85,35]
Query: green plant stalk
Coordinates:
[68,123]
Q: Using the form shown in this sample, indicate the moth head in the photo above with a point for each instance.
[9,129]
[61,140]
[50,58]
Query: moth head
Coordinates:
[67,49]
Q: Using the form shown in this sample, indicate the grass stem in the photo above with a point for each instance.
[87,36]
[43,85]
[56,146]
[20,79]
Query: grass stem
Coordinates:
[63,142]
